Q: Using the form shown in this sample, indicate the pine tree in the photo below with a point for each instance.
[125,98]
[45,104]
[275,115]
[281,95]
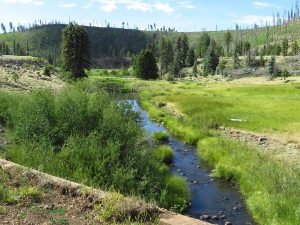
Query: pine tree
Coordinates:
[145,66]
[295,48]
[285,47]
[228,40]
[235,59]
[75,50]
[203,44]
[184,48]
[191,58]
[195,69]
[211,62]
[271,66]
[165,56]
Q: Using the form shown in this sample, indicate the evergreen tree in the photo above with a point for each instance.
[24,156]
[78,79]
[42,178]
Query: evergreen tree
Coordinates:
[75,49]
[184,48]
[195,69]
[145,66]
[235,59]
[176,66]
[271,66]
[191,58]
[228,40]
[179,53]
[295,48]
[285,47]
[204,43]
[3,28]
[165,56]
[211,62]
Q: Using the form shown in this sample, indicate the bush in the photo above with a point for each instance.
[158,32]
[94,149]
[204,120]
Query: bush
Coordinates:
[81,135]
[48,69]
[159,137]
[164,154]
[176,195]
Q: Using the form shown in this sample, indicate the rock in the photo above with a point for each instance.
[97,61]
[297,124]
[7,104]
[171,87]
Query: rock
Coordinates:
[195,182]
[182,174]
[65,191]
[235,208]
[179,170]
[222,217]
[228,223]
[215,217]
[205,217]
[262,139]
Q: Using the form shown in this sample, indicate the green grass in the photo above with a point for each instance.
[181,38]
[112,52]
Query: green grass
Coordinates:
[271,190]
[160,137]
[272,109]
[177,197]
[164,154]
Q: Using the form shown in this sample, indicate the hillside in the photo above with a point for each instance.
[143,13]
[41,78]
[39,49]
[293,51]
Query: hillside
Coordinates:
[114,47]
[110,47]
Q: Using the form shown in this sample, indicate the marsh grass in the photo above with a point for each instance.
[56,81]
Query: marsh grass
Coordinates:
[160,137]
[164,154]
[271,189]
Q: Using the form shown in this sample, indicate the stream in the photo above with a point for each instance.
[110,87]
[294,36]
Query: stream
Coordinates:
[213,200]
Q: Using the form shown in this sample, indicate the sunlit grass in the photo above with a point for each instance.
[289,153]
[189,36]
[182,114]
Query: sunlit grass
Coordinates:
[271,190]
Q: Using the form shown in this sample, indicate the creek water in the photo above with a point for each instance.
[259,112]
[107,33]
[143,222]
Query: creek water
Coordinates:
[213,200]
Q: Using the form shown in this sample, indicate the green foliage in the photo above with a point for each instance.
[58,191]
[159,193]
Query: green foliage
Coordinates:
[176,195]
[48,69]
[145,66]
[295,48]
[285,74]
[211,62]
[15,77]
[228,39]
[271,66]
[191,57]
[203,45]
[271,189]
[75,48]
[81,135]
[164,154]
[285,47]
[160,137]
[166,55]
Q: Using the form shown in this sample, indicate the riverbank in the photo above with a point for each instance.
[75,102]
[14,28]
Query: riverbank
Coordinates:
[202,108]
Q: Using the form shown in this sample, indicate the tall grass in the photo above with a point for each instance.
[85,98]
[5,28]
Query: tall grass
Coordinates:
[82,135]
[271,189]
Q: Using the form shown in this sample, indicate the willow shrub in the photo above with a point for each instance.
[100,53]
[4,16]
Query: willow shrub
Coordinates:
[82,135]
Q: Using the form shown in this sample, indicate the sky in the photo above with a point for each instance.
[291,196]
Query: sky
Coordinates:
[184,15]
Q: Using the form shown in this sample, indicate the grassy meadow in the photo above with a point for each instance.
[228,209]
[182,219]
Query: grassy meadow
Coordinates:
[266,108]
[194,112]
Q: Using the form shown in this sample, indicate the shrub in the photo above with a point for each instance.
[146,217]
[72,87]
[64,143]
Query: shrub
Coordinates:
[48,69]
[176,195]
[80,134]
[159,137]
[164,154]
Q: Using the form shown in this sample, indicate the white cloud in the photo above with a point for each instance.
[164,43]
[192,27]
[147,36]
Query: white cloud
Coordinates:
[263,5]
[186,4]
[24,2]
[140,5]
[68,5]
[254,19]
[164,7]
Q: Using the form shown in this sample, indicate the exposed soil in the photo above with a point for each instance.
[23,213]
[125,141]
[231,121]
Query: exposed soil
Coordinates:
[278,147]
[53,207]
[26,74]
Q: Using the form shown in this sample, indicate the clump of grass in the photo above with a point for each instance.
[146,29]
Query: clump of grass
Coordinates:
[176,195]
[164,154]
[31,192]
[116,208]
[160,137]
[8,195]
[271,190]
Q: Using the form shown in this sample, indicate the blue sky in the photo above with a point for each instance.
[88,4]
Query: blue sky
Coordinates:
[185,15]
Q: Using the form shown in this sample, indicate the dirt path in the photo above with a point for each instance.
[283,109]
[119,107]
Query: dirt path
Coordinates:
[280,148]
